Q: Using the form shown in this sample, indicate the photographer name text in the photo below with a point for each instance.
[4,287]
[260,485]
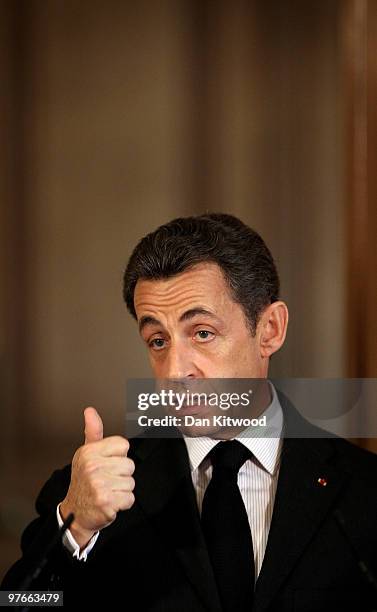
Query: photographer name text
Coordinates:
[193,421]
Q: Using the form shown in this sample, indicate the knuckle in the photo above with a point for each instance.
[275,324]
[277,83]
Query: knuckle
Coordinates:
[110,514]
[123,443]
[126,445]
[130,499]
[130,466]
[118,445]
[126,501]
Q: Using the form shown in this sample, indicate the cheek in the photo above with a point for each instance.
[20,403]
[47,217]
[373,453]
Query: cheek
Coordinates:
[226,360]
[156,361]
[242,359]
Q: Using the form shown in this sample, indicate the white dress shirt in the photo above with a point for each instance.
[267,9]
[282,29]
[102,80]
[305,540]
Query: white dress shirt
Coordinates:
[71,544]
[257,479]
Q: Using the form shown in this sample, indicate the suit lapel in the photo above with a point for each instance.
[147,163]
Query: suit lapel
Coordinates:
[301,503]
[165,492]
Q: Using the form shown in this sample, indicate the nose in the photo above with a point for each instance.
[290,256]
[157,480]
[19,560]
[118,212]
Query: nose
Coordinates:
[179,363]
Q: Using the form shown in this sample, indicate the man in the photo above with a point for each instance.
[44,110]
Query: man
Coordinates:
[205,293]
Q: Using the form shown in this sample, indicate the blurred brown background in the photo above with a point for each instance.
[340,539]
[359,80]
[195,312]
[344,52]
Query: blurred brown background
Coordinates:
[118,116]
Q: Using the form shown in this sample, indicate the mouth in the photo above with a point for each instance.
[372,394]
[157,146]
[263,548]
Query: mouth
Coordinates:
[189,409]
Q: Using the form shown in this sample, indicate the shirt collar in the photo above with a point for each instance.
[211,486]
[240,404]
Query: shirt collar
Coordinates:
[264,444]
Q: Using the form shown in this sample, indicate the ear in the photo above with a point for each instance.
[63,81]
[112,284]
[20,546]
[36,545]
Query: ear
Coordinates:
[272,328]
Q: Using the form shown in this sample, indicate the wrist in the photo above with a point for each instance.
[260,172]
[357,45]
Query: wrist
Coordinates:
[81,535]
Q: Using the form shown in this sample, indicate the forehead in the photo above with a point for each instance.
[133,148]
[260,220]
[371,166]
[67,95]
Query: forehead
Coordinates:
[203,283]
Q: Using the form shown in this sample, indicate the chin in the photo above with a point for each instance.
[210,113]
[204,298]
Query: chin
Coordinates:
[196,431]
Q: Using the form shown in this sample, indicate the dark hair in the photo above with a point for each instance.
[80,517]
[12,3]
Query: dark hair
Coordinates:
[240,252]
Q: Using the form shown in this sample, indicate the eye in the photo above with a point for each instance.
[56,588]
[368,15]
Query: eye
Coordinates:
[157,344]
[204,335]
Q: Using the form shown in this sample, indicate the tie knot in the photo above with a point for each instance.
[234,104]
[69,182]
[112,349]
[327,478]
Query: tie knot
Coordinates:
[229,456]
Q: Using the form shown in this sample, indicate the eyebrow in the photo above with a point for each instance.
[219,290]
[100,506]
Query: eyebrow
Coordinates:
[186,316]
[147,320]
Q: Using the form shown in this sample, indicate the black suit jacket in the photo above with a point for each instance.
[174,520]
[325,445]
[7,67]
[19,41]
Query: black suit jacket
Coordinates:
[153,557]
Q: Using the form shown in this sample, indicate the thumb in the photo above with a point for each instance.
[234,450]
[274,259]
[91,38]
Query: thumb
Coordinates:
[93,425]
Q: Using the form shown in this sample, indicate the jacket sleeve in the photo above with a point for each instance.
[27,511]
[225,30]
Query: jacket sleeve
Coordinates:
[59,568]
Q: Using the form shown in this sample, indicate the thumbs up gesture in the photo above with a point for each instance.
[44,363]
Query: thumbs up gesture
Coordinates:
[101,481]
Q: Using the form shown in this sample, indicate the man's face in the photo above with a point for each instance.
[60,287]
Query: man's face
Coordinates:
[194,329]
